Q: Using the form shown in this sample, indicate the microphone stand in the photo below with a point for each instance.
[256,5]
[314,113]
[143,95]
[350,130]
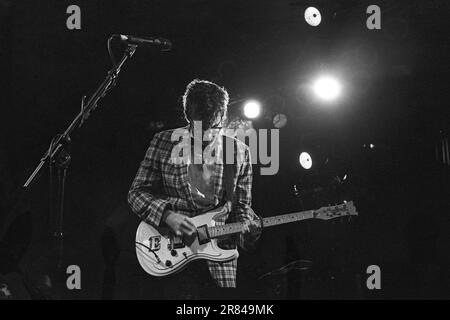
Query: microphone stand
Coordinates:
[58,153]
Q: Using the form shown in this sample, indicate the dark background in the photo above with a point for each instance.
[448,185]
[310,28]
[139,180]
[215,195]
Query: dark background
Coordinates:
[395,97]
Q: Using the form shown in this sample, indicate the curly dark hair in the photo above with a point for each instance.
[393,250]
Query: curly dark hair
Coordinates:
[205,101]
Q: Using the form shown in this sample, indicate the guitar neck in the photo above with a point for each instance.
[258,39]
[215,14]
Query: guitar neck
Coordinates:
[287,218]
[238,227]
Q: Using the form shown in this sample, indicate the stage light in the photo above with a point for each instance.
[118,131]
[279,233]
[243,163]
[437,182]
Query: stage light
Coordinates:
[252,109]
[327,88]
[305,160]
[312,16]
[279,120]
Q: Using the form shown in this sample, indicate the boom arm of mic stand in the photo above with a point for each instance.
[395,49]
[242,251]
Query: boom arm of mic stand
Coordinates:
[82,116]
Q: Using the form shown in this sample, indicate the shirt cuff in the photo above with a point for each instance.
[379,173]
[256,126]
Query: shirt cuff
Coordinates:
[156,210]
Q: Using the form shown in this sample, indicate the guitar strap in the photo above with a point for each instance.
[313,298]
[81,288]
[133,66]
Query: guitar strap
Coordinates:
[228,171]
[229,177]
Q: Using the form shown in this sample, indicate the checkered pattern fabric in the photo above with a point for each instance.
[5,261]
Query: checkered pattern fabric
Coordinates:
[161,184]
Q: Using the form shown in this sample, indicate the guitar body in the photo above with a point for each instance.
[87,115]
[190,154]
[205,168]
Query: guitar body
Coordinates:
[160,253]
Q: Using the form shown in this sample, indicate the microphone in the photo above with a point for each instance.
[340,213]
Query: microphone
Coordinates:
[165,44]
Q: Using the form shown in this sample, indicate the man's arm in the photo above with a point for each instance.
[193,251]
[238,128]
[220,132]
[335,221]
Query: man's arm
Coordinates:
[145,197]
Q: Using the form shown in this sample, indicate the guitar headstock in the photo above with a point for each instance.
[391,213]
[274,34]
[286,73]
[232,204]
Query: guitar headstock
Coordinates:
[341,210]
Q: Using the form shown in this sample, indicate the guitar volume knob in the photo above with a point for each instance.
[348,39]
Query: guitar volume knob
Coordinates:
[168,263]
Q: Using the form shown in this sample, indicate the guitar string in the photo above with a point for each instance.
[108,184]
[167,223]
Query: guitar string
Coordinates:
[268,221]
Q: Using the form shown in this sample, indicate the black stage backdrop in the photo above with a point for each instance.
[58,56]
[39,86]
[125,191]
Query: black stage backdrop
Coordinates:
[396,99]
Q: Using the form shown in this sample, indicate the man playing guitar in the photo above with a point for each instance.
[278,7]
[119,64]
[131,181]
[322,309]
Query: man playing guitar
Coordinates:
[165,193]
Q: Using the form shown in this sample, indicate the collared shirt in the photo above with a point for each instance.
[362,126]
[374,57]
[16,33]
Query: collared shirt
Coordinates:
[161,184]
[200,182]
[200,177]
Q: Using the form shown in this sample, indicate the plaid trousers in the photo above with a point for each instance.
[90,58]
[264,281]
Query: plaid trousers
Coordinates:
[161,184]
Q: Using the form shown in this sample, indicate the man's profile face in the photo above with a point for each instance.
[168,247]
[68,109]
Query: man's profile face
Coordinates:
[216,123]
[206,102]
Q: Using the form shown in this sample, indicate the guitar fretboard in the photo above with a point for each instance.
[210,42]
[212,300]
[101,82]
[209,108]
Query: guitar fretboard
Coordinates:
[238,227]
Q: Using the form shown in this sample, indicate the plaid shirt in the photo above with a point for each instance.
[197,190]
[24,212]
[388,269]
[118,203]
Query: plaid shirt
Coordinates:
[160,184]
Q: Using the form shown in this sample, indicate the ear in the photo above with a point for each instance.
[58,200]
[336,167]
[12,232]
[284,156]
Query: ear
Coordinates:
[223,117]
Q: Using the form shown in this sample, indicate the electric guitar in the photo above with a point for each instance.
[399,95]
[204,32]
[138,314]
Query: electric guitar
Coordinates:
[160,252]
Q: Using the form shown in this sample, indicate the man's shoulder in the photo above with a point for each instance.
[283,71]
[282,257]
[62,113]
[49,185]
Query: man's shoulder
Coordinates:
[170,135]
[240,144]
[163,141]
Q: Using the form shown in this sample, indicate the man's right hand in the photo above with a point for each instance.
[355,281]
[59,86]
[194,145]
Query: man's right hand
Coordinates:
[180,224]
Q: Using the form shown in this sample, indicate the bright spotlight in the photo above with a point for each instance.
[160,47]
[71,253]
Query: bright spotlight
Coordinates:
[312,16]
[305,160]
[327,88]
[252,109]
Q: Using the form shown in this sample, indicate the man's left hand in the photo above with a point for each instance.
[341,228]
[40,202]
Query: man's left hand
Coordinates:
[252,227]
